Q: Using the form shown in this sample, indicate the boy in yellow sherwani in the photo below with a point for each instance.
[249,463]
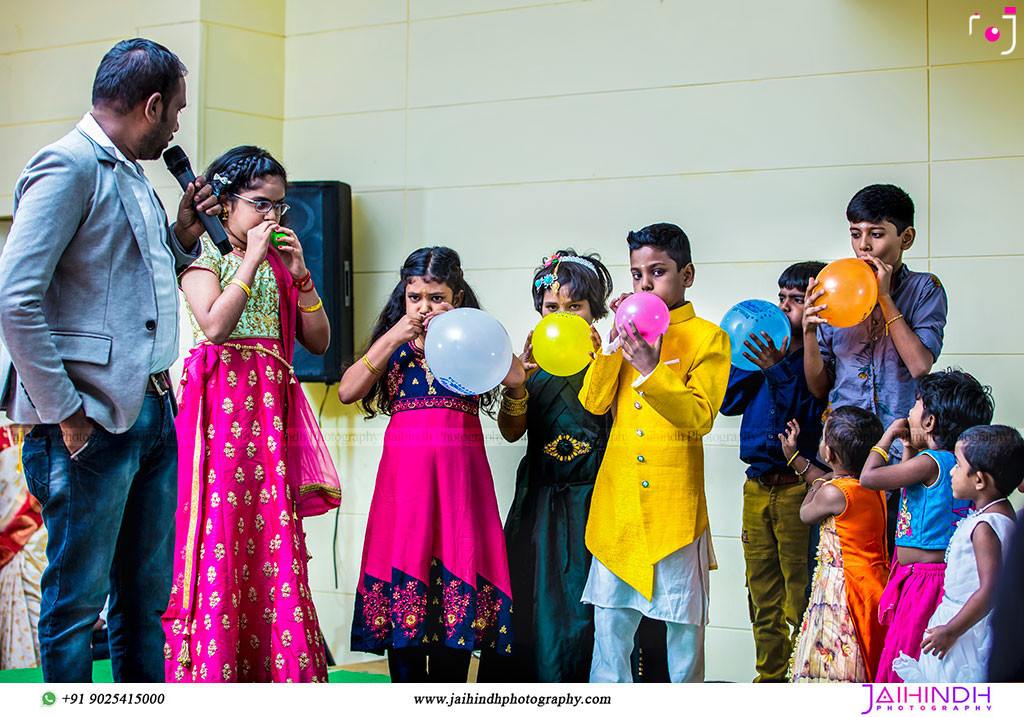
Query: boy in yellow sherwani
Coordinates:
[648,523]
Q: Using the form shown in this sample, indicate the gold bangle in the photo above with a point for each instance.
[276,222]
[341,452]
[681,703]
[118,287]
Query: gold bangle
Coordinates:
[894,318]
[879,451]
[514,406]
[511,410]
[791,459]
[310,309]
[241,285]
[373,369]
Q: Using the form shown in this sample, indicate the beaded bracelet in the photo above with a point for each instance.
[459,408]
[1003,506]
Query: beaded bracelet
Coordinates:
[807,467]
[890,321]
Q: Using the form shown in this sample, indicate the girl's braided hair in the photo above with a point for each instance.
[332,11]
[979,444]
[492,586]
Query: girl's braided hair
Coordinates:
[242,168]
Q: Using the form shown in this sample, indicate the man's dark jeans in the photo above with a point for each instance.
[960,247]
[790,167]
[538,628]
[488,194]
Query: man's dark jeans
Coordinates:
[109,513]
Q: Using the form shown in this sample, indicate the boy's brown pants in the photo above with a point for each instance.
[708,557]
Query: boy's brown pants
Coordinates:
[775,550]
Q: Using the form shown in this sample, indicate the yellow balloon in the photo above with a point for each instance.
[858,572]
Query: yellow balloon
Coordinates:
[561,344]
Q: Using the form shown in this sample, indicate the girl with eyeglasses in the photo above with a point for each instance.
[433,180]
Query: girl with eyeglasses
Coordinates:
[252,462]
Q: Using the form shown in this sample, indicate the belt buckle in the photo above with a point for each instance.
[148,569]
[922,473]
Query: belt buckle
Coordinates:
[155,383]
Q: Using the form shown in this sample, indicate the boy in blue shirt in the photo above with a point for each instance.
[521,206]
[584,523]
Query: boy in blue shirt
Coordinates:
[775,540]
[875,365]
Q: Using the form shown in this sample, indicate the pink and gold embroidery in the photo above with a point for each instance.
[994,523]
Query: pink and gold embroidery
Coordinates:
[454,604]
[408,607]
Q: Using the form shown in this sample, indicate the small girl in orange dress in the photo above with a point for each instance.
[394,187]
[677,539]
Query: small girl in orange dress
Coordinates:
[840,637]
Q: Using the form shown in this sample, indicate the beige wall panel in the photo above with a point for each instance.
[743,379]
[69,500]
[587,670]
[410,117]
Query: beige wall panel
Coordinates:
[253,86]
[47,23]
[799,122]
[975,207]
[728,606]
[726,434]
[629,44]
[51,84]
[365,150]
[426,9]
[378,231]
[1002,373]
[306,16]
[729,654]
[749,216]
[357,70]
[371,292]
[981,291]
[225,130]
[319,539]
[334,611]
[504,459]
[265,16]
[975,110]
[948,38]
[723,486]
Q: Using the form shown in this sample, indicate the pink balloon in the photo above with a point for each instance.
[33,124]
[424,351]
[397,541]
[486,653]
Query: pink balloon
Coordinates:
[647,312]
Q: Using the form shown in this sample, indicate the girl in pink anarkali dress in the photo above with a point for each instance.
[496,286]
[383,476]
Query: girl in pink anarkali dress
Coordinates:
[434,578]
[251,460]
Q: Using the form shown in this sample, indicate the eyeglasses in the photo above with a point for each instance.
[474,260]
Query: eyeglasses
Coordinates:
[263,206]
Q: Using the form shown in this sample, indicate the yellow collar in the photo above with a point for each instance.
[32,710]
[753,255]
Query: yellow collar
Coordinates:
[681,313]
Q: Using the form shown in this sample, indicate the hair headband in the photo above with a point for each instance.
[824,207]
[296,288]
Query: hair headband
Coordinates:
[550,281]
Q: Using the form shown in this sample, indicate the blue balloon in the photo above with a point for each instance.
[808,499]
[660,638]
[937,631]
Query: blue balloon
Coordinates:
[752,317]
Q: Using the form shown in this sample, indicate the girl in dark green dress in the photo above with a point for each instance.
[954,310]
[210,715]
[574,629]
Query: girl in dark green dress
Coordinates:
[547,558]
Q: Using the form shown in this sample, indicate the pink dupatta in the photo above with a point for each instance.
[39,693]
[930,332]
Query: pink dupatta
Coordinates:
[311,473]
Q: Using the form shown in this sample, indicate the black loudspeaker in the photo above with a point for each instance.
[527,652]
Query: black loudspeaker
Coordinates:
[320,214]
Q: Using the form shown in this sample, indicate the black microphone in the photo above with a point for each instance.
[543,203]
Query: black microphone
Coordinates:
[177,163]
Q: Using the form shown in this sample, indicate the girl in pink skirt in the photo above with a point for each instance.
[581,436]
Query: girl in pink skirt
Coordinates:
[251,460]
[434,576]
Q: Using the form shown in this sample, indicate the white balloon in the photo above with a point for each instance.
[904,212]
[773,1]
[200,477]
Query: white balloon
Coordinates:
[468,351]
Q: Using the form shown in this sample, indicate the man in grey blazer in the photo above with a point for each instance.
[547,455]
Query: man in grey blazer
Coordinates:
[89,316]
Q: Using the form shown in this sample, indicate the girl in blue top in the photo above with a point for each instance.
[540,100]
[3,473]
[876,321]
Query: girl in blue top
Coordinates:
[948,403]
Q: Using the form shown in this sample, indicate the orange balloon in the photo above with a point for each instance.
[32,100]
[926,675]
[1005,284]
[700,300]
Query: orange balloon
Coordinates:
[851,292]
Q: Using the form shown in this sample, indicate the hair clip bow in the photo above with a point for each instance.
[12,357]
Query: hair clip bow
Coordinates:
[218,183]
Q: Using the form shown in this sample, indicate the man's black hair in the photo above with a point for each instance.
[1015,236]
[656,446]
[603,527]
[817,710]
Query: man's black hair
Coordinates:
[132,70]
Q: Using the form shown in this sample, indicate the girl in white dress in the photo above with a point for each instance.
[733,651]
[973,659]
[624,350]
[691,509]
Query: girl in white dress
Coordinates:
[989,465]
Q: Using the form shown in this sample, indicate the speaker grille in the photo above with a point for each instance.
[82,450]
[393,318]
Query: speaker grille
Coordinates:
[321,216]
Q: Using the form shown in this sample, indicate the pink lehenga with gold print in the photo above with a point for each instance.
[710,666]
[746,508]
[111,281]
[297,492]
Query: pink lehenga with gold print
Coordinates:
[252,464]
